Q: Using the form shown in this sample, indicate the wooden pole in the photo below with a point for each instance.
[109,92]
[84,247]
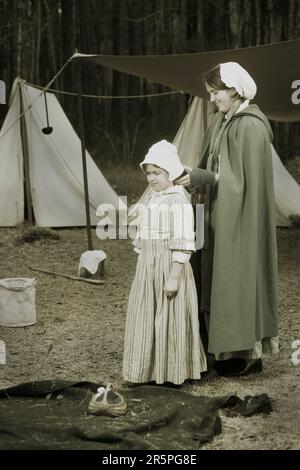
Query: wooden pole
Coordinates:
[83,154]
[26,168]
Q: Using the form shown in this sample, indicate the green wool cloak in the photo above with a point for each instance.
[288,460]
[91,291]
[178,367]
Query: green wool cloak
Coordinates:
[243,271]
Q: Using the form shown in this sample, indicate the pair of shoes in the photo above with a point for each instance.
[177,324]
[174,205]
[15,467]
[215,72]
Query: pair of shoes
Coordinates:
[229,366]
[107,401]
[250,367]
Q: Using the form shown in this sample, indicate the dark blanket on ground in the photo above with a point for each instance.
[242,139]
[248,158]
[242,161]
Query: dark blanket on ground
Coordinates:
[53,414]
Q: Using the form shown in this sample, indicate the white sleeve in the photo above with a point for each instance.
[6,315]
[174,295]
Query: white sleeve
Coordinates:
[181,256]
[133,221]
[182,226]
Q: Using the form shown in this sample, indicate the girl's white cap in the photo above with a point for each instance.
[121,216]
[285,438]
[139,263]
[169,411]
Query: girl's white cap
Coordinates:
[164,155]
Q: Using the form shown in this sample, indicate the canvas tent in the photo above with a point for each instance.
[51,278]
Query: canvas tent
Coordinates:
[55,166]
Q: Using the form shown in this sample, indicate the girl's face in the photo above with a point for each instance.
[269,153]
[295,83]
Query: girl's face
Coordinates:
[222,98]
[157,178]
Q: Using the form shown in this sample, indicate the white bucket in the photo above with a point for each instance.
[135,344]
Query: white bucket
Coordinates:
[17,301]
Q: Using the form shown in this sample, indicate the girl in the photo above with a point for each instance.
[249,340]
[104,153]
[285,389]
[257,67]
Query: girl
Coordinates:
[162,340]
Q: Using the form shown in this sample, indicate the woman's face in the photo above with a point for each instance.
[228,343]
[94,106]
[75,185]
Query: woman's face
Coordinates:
[222,98]
[157,178]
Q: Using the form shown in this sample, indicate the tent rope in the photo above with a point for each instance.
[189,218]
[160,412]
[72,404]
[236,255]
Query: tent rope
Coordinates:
[150,95]
[45,88]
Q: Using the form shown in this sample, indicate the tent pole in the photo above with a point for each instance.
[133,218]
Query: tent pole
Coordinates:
[25,151]
[83,153]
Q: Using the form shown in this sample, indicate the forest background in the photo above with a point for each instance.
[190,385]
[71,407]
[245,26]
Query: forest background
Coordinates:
[38,36]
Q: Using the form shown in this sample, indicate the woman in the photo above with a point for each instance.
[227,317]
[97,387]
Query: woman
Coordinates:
[239,259]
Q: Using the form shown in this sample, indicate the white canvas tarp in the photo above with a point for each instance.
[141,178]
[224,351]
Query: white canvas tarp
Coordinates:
[55,165]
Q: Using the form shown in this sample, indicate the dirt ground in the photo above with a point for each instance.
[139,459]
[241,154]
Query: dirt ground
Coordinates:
[80,326]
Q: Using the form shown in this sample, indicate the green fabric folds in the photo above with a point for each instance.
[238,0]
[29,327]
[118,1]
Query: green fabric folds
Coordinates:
[239,269]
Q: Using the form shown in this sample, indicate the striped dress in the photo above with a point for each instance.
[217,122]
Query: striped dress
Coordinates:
[162,337]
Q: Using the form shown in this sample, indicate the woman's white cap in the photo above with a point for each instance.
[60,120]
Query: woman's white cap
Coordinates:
[165,155]
[235,76]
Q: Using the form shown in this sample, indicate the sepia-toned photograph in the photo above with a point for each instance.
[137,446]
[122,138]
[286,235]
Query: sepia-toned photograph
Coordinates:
[150,228]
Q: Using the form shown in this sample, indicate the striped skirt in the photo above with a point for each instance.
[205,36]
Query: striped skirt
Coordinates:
[162,337]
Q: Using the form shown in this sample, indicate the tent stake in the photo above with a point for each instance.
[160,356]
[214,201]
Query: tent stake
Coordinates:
[26,169]
[83,153]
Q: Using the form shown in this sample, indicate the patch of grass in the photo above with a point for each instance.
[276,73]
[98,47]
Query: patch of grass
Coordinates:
[32,234]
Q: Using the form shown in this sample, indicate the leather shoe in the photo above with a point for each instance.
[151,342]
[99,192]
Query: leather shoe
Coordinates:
[251,367]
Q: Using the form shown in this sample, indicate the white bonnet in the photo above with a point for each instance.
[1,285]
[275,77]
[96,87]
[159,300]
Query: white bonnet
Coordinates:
[164,155]
[235,76]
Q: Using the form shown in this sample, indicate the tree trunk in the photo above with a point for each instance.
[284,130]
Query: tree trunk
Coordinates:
[258,22]
[19,41]
[35,76]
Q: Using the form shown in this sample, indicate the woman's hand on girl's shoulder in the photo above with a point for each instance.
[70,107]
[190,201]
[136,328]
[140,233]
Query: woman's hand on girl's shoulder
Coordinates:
[184,180]
[188,169]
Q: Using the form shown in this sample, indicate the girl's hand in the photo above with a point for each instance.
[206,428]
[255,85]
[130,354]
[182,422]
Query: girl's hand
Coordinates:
[171,287]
